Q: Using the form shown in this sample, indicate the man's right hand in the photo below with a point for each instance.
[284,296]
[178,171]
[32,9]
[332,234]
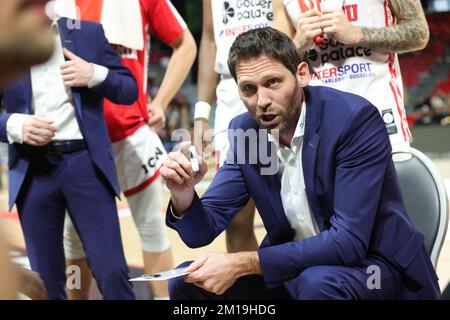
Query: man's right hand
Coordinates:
[179,177]
[37,130]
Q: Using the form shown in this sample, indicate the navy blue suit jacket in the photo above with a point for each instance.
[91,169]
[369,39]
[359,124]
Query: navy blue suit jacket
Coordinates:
[89,43]
[352,190]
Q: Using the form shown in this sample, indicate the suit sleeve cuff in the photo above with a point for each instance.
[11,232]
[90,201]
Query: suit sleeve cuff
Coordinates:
[194,212]
[14,127]
[174,216]
[100,74]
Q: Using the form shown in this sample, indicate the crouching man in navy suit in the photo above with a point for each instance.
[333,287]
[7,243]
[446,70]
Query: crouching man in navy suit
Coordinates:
[60,156]
[336,224]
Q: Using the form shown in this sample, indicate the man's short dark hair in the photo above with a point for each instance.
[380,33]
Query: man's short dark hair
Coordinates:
[264,41]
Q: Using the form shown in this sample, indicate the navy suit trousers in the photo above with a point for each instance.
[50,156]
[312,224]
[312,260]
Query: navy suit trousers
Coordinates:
[372,280]
[72,181]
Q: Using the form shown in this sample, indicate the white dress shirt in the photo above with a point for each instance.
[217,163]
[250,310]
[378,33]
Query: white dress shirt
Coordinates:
[293,195]
[51,98]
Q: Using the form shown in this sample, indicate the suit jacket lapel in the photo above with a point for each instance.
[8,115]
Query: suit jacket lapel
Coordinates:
[310,148]
[27,94]
[66,35]
[68,41]
[311,138]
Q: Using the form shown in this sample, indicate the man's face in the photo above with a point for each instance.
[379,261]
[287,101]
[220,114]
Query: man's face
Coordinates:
[24,36]
[271,93]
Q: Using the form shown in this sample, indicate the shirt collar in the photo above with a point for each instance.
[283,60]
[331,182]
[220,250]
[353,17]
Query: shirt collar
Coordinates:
[52,14]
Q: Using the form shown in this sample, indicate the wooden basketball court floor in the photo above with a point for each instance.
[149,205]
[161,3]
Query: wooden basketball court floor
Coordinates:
[10,226]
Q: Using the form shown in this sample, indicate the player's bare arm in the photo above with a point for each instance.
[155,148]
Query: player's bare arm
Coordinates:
[411,32]
[183,56]
[206,78]
[281,20]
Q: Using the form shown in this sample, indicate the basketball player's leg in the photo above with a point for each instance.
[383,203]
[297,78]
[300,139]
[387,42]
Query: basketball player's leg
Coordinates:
[76,260]
[240,234]
[146,209]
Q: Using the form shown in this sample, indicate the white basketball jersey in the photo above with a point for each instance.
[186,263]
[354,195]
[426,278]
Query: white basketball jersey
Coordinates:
[233,17]
[359,70]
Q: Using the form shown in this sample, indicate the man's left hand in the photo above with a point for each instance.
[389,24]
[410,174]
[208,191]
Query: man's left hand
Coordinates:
[213,272]
[336,26]
[76,72]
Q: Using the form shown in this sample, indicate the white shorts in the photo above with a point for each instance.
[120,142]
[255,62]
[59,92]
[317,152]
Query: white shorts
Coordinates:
[229,105]
[138,159]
